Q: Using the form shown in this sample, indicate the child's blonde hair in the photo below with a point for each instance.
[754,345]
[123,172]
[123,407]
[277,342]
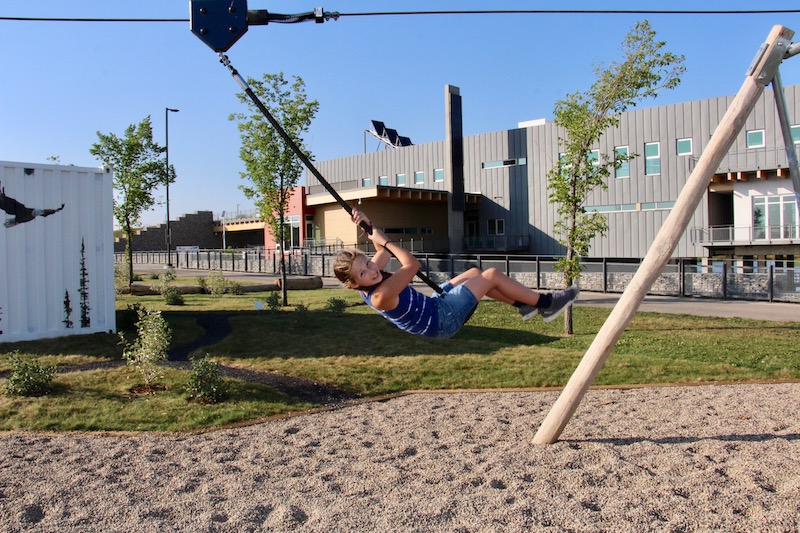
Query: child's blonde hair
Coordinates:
[343,266]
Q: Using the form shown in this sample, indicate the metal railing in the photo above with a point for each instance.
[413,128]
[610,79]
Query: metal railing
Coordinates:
[745,235]
[758,280]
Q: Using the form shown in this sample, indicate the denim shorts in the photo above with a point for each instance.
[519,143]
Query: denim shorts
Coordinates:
[456,305]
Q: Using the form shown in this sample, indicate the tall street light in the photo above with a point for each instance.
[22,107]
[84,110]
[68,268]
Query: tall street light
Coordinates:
[169,234]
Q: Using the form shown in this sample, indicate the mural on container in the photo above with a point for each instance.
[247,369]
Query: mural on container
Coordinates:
[84,289]
[67,311]
[18,213]
[56,245]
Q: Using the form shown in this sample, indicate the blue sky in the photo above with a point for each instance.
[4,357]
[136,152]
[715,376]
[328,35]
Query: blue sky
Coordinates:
[63,82]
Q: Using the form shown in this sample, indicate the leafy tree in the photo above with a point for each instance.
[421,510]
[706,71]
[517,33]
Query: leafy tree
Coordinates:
[272,167]
[584,117]
[138,170]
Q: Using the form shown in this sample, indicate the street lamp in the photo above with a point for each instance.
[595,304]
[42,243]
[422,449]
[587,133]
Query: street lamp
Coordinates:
[167,111]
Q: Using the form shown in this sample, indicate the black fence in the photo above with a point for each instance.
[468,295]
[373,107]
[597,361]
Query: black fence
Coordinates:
[703,278]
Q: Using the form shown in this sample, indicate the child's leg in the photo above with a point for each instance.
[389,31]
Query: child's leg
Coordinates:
[496,285]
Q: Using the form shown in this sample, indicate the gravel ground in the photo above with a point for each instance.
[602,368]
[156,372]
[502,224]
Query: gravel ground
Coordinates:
[703,458]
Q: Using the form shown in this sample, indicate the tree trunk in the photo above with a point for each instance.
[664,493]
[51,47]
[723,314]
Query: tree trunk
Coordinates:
[129,254]
[282,240]
[568,329]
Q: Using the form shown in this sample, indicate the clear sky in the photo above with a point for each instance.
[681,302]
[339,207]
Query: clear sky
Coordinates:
[64,81]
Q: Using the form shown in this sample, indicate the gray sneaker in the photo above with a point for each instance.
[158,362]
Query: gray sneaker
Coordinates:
[561,300]
[527,312]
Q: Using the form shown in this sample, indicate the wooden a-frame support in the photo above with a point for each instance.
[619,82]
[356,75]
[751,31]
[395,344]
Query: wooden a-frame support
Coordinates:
[761,71]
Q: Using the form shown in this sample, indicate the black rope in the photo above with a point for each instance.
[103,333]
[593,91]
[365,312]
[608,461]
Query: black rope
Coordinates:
[302,17]
[304,158]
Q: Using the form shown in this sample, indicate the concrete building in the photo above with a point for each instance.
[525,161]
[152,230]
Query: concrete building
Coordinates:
[488,192]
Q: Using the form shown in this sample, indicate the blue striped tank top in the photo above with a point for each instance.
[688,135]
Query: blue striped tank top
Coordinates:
[416,313]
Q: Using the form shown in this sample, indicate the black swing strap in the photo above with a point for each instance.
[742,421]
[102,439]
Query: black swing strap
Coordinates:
[302,156]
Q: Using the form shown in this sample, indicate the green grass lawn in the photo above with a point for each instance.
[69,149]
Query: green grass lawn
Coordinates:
[360,352]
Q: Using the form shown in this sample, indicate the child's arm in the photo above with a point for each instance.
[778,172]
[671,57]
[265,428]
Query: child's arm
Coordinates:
[386,296]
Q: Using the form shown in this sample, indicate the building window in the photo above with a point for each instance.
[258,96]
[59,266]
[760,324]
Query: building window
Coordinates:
[755,139]
[651,206]
[504,163]
[291,233]
[419,177]
[383,180]
[497,226]
[401,180]
[624,169]
[795,134]
[438,174]
[652,159]
[366,182]
[683,147]
[593,156]
[619,208]
[775,217]
[310,228]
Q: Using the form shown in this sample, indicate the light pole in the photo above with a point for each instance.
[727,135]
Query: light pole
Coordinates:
[167,111]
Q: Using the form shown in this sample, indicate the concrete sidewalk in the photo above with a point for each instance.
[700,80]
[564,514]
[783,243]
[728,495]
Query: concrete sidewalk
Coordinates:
[776,311]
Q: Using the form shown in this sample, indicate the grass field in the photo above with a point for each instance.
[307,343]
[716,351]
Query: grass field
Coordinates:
[360,352]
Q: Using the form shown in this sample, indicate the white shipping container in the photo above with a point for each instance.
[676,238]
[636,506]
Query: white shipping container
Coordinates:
[56,251]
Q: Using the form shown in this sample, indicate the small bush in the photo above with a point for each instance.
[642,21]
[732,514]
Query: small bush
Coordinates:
[216,284]
[150,346]
[28,377]
[273,301]
[235,288]
[336,305]
[205,384]
[173,296]
[201,282]
[121,274]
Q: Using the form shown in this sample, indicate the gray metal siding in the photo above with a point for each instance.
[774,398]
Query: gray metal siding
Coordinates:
[519,194]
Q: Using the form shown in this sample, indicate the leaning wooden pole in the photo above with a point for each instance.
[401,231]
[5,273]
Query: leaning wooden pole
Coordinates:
[759,74]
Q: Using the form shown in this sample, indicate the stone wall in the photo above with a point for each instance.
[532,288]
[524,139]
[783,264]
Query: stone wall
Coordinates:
[195,229]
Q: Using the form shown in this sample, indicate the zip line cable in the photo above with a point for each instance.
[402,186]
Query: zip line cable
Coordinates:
[456,12]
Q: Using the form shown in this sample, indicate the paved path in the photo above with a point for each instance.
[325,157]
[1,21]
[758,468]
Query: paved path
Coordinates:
[775,311]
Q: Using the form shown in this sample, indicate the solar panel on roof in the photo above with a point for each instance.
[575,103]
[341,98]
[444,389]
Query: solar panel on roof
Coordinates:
[392,135]
[379,126]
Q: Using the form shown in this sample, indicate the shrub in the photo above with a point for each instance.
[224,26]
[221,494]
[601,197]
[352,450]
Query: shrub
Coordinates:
[235,288]
[121,274]
[201,282]
[216,284]
[150,346]
[205,384]
[336,305]
[273,301]
[172,296]
[28,377]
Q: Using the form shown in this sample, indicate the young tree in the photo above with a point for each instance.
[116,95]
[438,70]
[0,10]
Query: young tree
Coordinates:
[270,165]
[138,170]
[584,117]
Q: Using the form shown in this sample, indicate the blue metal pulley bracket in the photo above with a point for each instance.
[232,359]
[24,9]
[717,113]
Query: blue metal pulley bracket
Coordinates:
[217,23]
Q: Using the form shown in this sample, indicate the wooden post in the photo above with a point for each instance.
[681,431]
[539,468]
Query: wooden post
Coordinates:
[763,68]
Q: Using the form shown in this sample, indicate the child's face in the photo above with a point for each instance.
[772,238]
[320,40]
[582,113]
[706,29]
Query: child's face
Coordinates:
[364,273]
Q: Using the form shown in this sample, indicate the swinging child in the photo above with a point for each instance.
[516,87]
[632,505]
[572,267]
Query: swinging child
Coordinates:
[440,315]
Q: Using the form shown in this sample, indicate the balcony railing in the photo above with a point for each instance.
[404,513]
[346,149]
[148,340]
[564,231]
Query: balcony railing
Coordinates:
[742,235]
